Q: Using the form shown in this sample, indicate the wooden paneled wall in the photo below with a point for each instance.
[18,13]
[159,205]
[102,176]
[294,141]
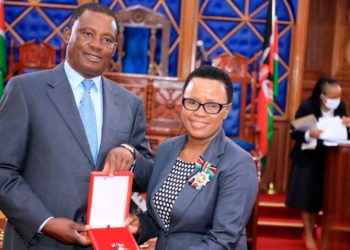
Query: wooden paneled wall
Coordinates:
[328,46]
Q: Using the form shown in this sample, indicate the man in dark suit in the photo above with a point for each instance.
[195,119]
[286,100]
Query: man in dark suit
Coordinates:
[56,126]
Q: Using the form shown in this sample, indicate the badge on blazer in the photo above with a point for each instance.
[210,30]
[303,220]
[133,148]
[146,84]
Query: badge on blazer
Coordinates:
[200,179]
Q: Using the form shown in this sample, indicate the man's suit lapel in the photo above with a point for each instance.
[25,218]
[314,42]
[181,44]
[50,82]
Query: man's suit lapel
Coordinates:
[111,117]
[62,97]
[188,193]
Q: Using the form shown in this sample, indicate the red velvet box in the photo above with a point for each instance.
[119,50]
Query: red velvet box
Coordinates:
[109,202]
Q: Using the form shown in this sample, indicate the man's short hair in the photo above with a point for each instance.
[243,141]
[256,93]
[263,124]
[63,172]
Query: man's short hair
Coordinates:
[213,73]
[95,7]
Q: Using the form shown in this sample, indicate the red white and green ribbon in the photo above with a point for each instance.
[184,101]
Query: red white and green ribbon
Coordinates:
[207,172]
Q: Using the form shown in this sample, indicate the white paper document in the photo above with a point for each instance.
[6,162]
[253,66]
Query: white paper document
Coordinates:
[333,129]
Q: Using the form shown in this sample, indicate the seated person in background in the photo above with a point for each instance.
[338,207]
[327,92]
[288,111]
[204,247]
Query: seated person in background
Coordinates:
[306,181]
[203,186]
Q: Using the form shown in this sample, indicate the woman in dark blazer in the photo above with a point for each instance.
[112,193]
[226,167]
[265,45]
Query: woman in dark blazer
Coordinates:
[306,182]
[203,186]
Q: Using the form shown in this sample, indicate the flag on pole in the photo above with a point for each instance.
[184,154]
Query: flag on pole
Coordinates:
[268,81]
[3,65]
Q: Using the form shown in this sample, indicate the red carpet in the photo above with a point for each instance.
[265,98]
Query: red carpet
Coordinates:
[279,198]
[265,243]
[279,227]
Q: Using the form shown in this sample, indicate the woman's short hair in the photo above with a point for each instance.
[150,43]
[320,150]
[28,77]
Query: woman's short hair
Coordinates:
[213,73]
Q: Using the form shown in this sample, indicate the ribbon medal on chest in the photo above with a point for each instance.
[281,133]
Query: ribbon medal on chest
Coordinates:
[206,173]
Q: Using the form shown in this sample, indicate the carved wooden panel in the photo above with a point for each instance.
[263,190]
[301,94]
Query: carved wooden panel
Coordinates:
[31,55]
[234,65]
[318,59]
[341,50]
[346,94]
[36,55]
[277,167]
[138,89]
[165,111]
[336,220]
[167,101]
[162,98]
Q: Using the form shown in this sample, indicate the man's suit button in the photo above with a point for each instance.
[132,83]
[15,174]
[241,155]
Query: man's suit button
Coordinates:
[33,241]
[82,220]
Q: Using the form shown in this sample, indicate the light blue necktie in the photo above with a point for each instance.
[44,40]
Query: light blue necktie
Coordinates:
[88,117]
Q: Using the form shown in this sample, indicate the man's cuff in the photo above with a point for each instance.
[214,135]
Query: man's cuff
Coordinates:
[133,166]
[43,224]
[307,136]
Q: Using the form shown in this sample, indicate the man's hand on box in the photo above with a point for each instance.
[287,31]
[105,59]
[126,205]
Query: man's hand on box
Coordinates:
[67,231]
[118,159]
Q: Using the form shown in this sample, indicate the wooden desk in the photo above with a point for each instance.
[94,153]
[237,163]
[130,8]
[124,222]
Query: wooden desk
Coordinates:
[336,218]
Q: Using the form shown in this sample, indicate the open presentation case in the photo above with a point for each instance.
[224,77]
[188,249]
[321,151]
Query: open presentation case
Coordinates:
[108,207]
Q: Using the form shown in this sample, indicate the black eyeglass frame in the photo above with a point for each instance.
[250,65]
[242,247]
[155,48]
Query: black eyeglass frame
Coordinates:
[221,105]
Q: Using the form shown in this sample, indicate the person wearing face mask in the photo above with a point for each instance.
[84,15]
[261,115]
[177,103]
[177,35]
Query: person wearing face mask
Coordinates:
[306,181]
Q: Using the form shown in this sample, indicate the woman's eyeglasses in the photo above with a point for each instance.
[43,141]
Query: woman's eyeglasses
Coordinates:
[209,107]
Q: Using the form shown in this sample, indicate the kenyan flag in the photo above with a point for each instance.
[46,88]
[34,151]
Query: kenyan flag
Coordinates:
[268,81]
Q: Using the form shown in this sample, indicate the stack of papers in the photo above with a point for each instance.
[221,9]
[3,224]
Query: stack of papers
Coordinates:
[333,130]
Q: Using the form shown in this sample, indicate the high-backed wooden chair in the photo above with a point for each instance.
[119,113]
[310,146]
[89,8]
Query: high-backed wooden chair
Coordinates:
[165,110]
[241,121]
[32,56]
[144,27]
[162,98]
